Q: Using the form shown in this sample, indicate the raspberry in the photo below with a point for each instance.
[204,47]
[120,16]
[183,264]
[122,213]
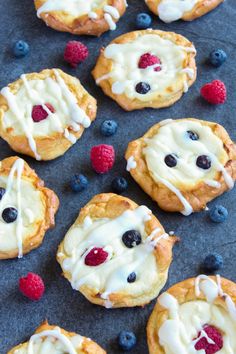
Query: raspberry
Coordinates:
[39,113]
[32,286]
[214,92]
[102,158]
[75,52]
[95,257]
[214,334]
[148,59]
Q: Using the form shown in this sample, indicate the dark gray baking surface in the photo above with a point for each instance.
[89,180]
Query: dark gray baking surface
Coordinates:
[61,305]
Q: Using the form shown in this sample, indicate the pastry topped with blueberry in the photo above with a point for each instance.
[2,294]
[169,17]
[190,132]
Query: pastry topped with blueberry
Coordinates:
[91,17]
[183,164]
[55,340]
[187,10]
[43,114]
[117,253]
[27,208]
[196,316]
[147,68]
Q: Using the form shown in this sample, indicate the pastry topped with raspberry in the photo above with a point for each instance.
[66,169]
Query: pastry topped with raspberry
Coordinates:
[195,316]
[183,164]
[147,68]
[55,340]
[187,10]
[117,253]
[90,17]
[27,208]
[43,114]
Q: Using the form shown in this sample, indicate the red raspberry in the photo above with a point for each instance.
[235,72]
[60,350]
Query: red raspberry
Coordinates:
[148,59]
[214,92]
[32,286]
[75,52]
[39,113]
[102,158]
[214,334]
[95,257]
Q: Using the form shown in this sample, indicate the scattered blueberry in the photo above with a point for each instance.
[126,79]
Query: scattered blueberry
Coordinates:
[9,215]
[142,88]
[131,238]
[192,135]
[78,183]
[108,127]
[127,340]
[131,278]
[218,213]
[119,185]
[212,263]
[143,21]
[20,49]
[217,57]
[2,192]
[170,160]
[204,162]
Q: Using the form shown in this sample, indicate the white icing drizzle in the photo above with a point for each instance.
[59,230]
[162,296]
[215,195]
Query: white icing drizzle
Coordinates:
[172,10]
[131,163]
[30,215]
[212,183]
[93,15]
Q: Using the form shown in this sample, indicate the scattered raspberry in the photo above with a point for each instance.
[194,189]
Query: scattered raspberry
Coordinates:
[39,113]
[214,334]
[148,59]
[75,52]
[214,92]
[95,257]
[102,158]
[32,286]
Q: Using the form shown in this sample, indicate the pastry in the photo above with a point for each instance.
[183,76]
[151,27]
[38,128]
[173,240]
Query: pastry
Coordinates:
[43,114]
[183,164]
[55,340]
[147,68]
[197,315]
[187,10]
[117,253]
[27,208]
[92,17]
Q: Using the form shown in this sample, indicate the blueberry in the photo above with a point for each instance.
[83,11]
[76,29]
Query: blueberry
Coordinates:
[142,88]
[78,183]
[2,192]
[119,185]
[131,278]
[171,160]
[9,215]
[127,340]
[192,135]
[218,213]
[212,263]
[131,238]
[20,49]
[217,57]
[108,127]
[143,21]
[204,162]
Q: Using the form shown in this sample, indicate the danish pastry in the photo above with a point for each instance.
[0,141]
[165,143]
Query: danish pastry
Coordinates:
[147,68]
[92,17]
[117,253]
[43,114]
[27,208]
[55,340]
[197,315]
[183,164]
[187,10]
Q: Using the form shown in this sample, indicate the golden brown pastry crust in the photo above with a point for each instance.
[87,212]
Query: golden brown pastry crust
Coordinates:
[201,8]
[198,196]
[88,346]
[48,147]
[49,199]
[104,66]
[183,292]
[109,205]
[82,25]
